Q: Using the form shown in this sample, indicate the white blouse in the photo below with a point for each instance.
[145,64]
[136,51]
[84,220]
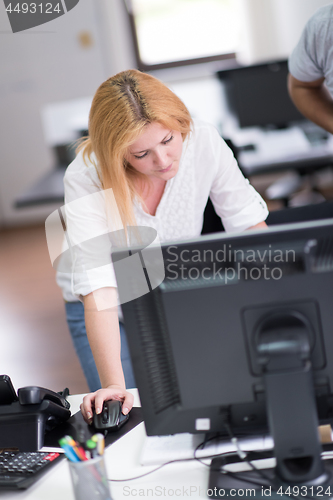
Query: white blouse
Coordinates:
[207,168]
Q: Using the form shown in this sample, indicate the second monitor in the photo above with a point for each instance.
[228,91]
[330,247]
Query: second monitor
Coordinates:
[258,95]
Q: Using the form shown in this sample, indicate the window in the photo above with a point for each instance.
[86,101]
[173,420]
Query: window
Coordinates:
[176,32]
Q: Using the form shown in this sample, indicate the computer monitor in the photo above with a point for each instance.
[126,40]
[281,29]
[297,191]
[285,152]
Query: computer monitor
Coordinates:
[258,95]
[241,332]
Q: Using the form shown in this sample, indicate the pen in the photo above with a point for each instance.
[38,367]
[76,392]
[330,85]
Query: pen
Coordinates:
[69,452]
[99,439]
[80,435]
[91,446]
[76,447]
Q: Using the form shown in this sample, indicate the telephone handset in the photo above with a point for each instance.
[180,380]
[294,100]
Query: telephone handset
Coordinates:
[24,418]
[33,395]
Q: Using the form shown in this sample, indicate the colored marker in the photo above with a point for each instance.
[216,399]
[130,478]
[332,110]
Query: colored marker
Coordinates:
[80,435]
[69,452]
[99,439]
[76,447]
[92,447]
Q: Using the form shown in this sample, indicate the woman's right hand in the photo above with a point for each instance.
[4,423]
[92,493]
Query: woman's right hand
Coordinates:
[94,401]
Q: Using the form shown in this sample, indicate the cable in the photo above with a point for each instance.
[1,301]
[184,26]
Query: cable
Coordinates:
[222,455]
[243,456]
[173,461]
[151,471]
[236,475]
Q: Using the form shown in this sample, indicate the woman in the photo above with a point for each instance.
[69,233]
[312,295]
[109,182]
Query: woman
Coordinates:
[161,166]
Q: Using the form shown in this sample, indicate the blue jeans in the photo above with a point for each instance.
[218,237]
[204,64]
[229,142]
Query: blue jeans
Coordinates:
[77,328]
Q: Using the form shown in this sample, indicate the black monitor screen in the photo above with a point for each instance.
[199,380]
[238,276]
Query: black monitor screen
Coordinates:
[239,331]
[258,95]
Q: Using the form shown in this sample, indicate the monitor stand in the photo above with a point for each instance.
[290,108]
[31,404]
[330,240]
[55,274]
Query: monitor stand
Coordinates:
[283,351]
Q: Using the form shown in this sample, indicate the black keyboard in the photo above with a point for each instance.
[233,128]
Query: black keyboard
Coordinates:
[21,469]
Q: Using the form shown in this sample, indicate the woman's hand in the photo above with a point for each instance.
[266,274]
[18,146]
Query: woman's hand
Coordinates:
[94,401]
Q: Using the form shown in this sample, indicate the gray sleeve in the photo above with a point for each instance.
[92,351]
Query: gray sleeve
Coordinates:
[309,58]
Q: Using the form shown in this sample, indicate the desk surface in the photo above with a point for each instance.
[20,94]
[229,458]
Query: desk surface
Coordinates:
[287,149]
[48,189]
[122,461]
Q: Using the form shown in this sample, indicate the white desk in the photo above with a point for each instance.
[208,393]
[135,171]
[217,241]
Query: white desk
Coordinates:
[279,150]
[122,461]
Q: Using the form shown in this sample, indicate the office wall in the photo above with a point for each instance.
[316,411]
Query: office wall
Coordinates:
[56,61]
[272,27]
[118,51]
[64,59]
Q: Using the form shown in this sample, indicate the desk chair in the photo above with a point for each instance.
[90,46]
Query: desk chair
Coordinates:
[212,222]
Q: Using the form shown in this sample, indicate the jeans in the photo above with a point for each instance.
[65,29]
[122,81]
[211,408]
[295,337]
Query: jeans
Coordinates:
[77,328]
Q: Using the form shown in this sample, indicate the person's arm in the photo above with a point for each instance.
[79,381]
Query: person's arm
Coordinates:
[313,100]
[102,327]
[234,199]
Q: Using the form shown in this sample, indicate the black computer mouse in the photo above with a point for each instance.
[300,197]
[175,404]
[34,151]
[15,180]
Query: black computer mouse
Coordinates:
[111,418]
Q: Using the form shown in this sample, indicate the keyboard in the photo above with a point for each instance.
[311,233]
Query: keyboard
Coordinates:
[18,470]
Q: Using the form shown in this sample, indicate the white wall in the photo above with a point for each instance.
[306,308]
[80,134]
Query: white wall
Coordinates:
[43,64]
[118,51]
[49,64]
[291,17]
[273,27]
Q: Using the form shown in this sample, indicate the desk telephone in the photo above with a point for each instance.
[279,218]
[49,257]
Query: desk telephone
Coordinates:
[27,415]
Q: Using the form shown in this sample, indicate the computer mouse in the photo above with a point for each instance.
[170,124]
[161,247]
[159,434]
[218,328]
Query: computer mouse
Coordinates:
[111,418]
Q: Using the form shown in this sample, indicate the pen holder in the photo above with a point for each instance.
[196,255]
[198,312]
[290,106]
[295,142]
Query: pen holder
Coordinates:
[90,480]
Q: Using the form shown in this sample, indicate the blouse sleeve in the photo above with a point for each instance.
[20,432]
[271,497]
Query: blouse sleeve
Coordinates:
[234,199]
[88,232]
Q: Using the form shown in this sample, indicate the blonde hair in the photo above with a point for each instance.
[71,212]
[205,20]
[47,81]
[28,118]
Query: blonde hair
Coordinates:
[122,106]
